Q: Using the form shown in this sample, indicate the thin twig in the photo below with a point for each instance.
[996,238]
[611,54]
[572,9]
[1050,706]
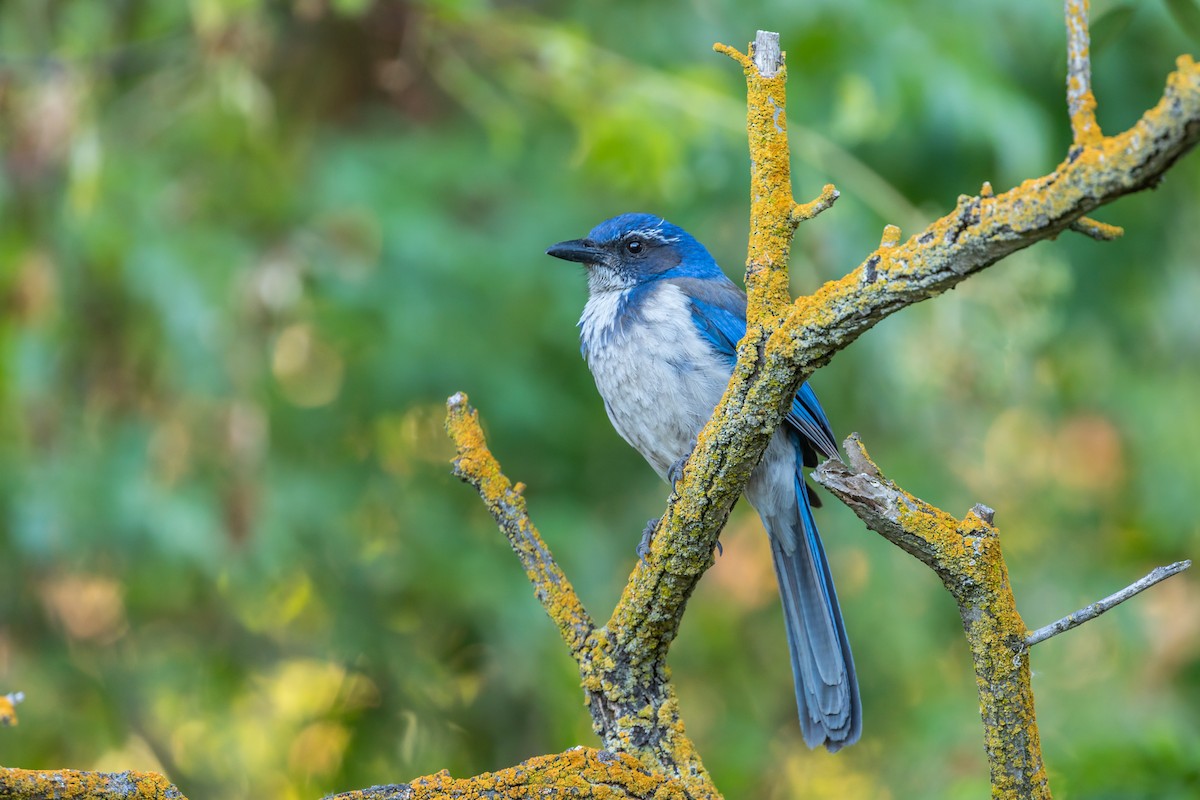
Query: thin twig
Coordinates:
[1096,609]
[1081,103]
[823,202]
[1100,231]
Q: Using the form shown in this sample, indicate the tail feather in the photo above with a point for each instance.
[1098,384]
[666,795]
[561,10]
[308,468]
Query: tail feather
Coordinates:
[822,665]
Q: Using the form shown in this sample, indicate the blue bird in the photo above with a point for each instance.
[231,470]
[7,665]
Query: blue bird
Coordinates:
[659,332]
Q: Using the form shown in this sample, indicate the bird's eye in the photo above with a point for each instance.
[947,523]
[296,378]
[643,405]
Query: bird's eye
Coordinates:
[635,246]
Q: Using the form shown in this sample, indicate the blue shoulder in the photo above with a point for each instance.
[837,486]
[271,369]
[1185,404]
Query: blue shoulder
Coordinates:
[718,311]
[719,314]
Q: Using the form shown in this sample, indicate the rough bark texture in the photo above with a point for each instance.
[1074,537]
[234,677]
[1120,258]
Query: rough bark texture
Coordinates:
[623,664]
[69,784]
[579,773]
[965,554]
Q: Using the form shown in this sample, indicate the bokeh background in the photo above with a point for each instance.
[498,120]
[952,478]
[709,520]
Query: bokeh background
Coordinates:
[248,248]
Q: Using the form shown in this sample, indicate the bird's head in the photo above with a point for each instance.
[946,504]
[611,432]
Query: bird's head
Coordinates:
[632,249]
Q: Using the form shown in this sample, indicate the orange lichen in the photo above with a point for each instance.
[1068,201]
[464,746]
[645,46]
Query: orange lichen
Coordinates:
[773,211]
[1100,231]
[1081,103]
[580,772]
[983,229]
[966,555]
[67,784]
[621,664]
[475,464]
[806,211]
[8,708]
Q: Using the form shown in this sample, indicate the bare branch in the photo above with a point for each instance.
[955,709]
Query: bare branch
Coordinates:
[1088,613]
[767,55]
[1081,103]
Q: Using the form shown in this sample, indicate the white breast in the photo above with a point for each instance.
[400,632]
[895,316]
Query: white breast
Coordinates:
[659,378]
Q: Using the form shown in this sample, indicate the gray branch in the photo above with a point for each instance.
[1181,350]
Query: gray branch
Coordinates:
[1096,609]
[767,54]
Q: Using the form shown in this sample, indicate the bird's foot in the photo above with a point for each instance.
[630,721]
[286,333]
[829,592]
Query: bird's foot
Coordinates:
[675,471]
[643,548]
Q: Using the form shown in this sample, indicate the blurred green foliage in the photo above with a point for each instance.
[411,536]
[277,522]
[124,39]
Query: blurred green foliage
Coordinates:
[248,248]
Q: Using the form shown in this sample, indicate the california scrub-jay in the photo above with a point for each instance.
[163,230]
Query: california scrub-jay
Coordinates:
[659,333]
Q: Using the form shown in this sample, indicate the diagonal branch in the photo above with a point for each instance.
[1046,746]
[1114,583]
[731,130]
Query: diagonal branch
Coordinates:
[1088,613]
[476,465]
[984,229]
[633,705]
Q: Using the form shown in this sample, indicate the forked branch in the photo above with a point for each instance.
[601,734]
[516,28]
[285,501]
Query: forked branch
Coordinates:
[965,554]
[623,663]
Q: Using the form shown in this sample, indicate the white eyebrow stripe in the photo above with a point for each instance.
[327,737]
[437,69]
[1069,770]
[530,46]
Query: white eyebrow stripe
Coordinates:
[654,234]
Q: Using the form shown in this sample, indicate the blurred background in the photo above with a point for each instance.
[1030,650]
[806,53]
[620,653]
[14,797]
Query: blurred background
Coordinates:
[248,248]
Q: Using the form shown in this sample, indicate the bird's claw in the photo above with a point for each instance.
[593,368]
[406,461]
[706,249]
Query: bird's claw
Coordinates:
[675,471]
[643,548]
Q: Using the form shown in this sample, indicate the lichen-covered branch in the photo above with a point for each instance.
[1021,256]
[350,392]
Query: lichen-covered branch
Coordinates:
[633,704]
[965,554]
[622,664]
[1081,103]
[580,772]
[647,616]
[1100,231]
[8,707]
[984,229]
[69,784]
[476,465]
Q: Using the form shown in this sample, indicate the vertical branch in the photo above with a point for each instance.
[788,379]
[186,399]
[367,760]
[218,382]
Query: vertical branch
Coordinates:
[966,555]
[774,213]
[996,635]
[1081,103]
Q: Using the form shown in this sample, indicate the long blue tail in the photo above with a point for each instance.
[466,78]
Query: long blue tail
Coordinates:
[822,666]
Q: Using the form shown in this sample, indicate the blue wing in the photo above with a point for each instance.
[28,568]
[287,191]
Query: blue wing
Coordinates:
[719,312]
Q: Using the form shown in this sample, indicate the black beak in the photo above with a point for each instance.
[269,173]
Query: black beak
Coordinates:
[582,250]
